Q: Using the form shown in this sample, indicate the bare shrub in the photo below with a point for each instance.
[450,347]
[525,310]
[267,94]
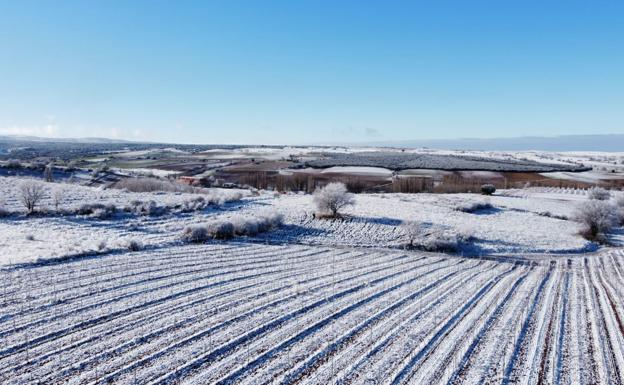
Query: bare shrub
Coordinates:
[31,192]
[488,189]
[330,199]
[597,218]
[195,234]
[598,193]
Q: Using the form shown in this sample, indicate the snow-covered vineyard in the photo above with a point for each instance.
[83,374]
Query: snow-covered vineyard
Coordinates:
[254,314]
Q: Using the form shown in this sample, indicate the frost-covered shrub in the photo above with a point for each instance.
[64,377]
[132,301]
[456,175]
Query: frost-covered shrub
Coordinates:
[597,218]
[330,199]
[220,230]
[598,193]
[473,207]
[424,238]
[195,234]
[30,193]
[488,189]
[134,245]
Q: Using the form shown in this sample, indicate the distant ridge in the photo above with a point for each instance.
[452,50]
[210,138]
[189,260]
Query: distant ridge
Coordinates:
[27,138]
[608,143]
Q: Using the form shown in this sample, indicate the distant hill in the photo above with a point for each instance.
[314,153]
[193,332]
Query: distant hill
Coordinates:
[610,143]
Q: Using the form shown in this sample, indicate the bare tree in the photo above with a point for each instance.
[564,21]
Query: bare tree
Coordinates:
[48,174]
[332,198]
[31,192]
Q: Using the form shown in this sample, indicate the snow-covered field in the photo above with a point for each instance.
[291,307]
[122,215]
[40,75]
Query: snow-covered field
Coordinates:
[318,301]
[251,314]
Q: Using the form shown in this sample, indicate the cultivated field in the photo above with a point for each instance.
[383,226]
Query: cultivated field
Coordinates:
[248,313]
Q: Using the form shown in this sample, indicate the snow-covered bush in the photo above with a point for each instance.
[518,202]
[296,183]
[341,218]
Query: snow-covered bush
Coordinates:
[488,189]
[473,207]
[330,199]
[30,193]
[220,229]
[598,193]
[195,234]
[597,218]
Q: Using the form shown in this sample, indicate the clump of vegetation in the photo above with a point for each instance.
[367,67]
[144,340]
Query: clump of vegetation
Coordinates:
[597,218]
[151,185]
[150,208]
[97,210]
[332,198]
[221,230]
[423,238]
[473,207]
[237,226]
[195,234]
[599,194]
[134,245]
[31,192]
[488,189]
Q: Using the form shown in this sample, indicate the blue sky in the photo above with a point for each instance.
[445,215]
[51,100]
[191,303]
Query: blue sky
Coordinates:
[310,71]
